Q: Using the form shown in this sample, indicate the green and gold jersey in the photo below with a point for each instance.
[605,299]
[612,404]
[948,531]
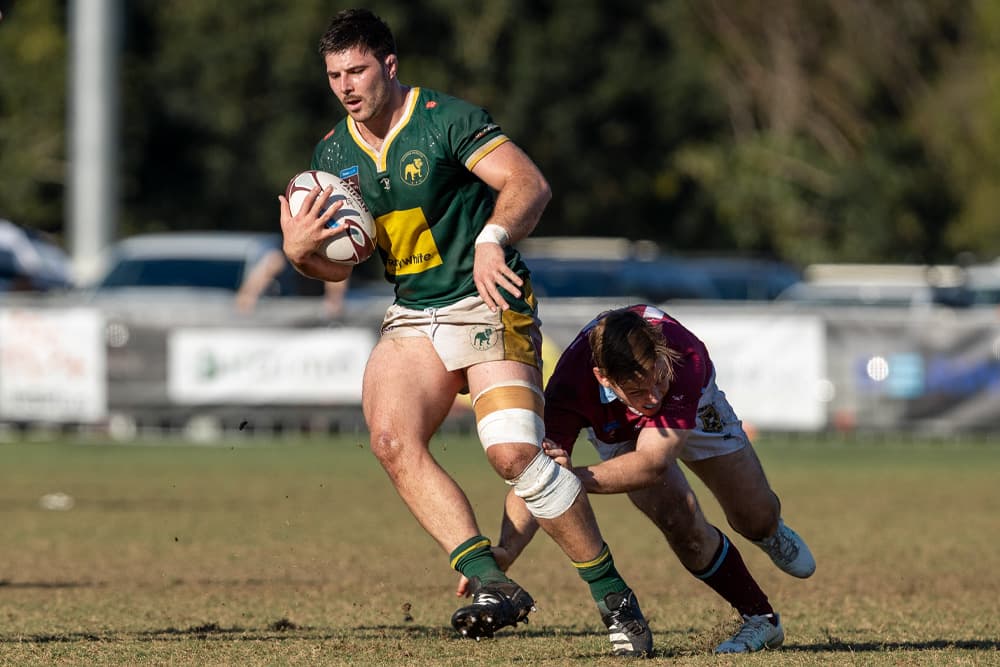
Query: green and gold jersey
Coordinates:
[427,204]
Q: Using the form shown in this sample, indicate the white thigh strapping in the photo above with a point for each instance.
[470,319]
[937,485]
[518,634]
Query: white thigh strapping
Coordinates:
[510,412]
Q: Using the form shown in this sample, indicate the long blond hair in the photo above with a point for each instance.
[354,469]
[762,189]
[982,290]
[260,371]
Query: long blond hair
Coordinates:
[625,346]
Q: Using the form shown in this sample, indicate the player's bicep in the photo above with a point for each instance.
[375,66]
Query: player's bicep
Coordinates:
[502,163]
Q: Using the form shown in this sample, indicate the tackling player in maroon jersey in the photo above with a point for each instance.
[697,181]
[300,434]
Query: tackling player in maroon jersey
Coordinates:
[643,388]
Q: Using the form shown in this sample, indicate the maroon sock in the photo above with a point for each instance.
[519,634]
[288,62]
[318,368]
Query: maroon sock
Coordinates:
[728,576]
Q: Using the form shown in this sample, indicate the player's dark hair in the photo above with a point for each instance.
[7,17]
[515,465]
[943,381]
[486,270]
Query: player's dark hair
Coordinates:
[352,28]
[625,346]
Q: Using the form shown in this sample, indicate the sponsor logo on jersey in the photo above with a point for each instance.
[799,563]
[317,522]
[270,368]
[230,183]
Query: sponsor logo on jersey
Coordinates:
[352,176]
[414,262]
[484,338]
[413,167]
[483,131]
[407,238]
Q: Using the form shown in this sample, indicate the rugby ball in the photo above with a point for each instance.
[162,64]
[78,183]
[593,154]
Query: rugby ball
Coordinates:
[356,242]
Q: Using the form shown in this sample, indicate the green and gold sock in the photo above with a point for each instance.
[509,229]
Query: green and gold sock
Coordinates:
[601,575]
[474,558]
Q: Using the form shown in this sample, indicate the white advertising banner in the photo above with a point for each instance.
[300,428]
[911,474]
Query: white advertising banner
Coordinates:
[771,367]
[52,365]
[274,366]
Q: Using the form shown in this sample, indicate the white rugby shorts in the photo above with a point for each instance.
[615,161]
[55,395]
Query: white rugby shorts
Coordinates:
[468,332]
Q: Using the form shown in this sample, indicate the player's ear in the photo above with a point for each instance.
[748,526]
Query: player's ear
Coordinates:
[391,64]
[605,382]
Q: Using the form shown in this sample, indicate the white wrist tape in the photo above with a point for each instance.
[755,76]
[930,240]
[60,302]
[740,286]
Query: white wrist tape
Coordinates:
[493,234]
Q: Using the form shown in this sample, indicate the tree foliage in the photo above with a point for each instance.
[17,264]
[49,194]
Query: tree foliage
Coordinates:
[810,131]
[32,113]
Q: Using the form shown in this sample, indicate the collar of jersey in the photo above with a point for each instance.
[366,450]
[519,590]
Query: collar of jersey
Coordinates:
[379,157]
[607,395]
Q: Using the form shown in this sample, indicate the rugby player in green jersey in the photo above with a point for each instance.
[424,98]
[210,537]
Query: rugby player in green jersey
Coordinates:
[451,194]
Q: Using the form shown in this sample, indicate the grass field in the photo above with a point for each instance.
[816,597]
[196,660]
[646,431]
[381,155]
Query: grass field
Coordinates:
[271,553]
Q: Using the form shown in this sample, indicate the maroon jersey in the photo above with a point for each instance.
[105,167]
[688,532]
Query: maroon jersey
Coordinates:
[575,400]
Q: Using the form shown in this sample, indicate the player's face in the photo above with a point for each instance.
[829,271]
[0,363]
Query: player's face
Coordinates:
[643,396]
[361,82]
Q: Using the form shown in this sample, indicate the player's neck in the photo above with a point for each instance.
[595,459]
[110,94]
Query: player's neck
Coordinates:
[376,129]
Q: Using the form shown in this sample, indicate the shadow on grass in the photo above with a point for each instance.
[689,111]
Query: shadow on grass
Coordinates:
[837,646]
[284,629]
[178,581]
[4,583]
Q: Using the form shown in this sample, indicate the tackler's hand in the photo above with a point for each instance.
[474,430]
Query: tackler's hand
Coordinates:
[554,451]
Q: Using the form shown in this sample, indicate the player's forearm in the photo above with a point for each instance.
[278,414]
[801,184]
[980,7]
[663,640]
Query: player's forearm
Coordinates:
[621,474]
[312,265]
[520,204]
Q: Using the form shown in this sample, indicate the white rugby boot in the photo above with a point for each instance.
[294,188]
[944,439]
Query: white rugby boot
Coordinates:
[756,634]
[789,552]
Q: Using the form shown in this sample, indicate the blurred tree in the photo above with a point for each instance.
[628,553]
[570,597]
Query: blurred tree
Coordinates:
[818,161]
[959,123]
[32,115]
[222,107]
[827,130]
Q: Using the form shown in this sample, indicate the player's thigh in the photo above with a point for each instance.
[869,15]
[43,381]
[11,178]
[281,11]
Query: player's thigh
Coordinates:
[738,482]
[671,504]
[509,408]
[407,391]
[483,376]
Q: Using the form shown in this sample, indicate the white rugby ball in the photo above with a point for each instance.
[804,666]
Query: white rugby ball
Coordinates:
[356,242]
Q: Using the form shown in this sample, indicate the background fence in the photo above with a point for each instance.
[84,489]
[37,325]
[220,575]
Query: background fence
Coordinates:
[202,367]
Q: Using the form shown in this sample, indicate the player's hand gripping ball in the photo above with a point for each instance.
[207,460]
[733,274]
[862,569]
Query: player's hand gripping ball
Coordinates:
[356,242]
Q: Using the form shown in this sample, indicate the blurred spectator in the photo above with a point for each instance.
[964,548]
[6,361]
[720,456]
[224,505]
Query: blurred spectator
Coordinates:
[266,272]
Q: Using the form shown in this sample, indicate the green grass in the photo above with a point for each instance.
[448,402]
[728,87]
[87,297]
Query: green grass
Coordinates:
[272,553]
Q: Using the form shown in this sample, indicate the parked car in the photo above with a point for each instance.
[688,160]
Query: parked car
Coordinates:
[857,294]
[746,278]
[204,275]
[178,261]
[572,267]
[31,262]
[982,284]
[897,285]
[653,280]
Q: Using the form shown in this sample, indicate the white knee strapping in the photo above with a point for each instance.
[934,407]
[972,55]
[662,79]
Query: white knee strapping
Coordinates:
[547,488]
[510,412]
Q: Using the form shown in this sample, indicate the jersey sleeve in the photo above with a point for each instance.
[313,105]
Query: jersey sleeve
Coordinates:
[680,416]
[564,406]
[472,133]
[562,424]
